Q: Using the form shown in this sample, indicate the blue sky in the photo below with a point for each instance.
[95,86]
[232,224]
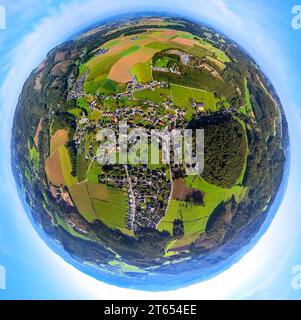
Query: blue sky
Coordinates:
[264,29]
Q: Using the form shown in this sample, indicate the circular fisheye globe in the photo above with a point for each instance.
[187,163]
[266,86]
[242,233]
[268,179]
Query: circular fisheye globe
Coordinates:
[148,88]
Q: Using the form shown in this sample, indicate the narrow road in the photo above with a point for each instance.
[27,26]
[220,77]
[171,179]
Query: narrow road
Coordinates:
[170,198]
[133,207]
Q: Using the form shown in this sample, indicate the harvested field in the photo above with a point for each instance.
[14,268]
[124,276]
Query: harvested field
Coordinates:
[98,191]
[38,131]
[123,45]
[163,35]
[120,72]
[181,192]
[144,41]
[58,140]
[185,41]
[54,170]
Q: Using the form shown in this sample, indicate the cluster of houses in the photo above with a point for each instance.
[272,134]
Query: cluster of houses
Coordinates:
[134,86]
[101,52]
[169,70]
[148,193]
[77,91]
[184,56]
[151,192]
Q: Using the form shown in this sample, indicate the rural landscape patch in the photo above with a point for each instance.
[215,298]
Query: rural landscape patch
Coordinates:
[155,73]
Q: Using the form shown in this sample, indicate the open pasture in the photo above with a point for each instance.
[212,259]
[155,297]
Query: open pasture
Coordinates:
[70,180]
[185,41]
[81,198]
[142,71]
[113,212]
[195,217]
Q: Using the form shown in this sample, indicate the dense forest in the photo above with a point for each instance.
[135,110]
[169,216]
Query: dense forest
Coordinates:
[225,148]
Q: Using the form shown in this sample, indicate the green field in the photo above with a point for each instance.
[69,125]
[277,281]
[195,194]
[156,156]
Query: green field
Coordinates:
[179,243]
[224,102]
[155,96]
[82,166]
[217,53]
[81,198]
[195,217]
[162,63]
[99,202]
[198,51]
[82,70]
[143,72]
[82,103]
[70,230]
[249,107]
[107,87]
[76,112]
[94,172]
[66,167]
[99,67]
[34,155]
[129,51]
[98,191]
[114,211]
[243,110]
[110,44]
[185,35]
[91,86]
[183,97]
[158,46]
[95,115]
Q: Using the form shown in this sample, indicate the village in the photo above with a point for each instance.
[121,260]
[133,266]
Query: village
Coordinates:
[149,189]
[147,205]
